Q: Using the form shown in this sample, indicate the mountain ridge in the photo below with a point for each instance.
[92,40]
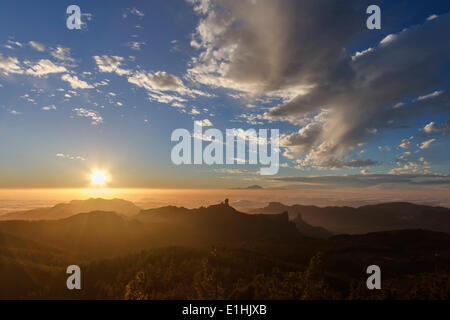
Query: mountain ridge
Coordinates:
[367,218]
[64,210]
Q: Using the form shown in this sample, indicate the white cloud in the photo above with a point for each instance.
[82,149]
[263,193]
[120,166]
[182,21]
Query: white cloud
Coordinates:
[45,67]
[411,168]
[62,53]
[429,128]
[406,143]
[10,65]
[101,83]
[15,112]
[177,105]
[429,96]
[136,45]
[133,11]
[206,123]
[86,113]
[164,97]
[194,111]
[111,64]
[37,46]
[426,144]
[433,128]
[286,51]
[361,53]
[50,107]
[70,157]
[159,82]
[76,83]
[432,17]
[137,12]
[389,38]
[15,43]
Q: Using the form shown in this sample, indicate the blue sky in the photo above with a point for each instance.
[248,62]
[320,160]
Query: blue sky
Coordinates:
[347,100]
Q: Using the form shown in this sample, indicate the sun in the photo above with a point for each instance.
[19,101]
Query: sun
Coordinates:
[99,178]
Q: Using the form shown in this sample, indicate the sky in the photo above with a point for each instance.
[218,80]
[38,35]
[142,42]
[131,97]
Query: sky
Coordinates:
[355,108]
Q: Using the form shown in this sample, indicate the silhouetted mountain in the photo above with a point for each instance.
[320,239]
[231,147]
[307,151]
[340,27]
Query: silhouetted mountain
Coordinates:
[106,233]
[220,223]
[64,210]
[371,218]
[259,256]
[310,231]
[94,233]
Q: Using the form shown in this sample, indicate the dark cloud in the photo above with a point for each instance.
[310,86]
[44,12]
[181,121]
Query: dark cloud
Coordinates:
[297,50]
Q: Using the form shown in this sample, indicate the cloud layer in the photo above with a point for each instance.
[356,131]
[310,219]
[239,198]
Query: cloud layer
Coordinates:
[339,98]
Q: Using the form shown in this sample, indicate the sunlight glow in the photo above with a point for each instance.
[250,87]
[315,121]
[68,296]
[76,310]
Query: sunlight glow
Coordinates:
[99,178]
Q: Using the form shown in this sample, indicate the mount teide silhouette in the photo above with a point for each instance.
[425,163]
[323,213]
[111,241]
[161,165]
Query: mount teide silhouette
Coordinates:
[370,218]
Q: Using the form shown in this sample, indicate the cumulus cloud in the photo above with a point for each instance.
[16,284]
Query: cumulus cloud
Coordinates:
[9,65]
[86,113]
[75,83]
[45,67]
[111,64]
[303,140]
[433,128]
[411,168]
[206,123]
[159,82]
[263,47]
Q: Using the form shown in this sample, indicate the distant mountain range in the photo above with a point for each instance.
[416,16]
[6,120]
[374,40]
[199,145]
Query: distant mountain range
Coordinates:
[113,248]
[123,224]
[109,233]
[370,218]
[65,210]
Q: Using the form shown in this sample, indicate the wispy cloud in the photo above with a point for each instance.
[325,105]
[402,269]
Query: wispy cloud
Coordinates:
[426,144]
[37,46]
